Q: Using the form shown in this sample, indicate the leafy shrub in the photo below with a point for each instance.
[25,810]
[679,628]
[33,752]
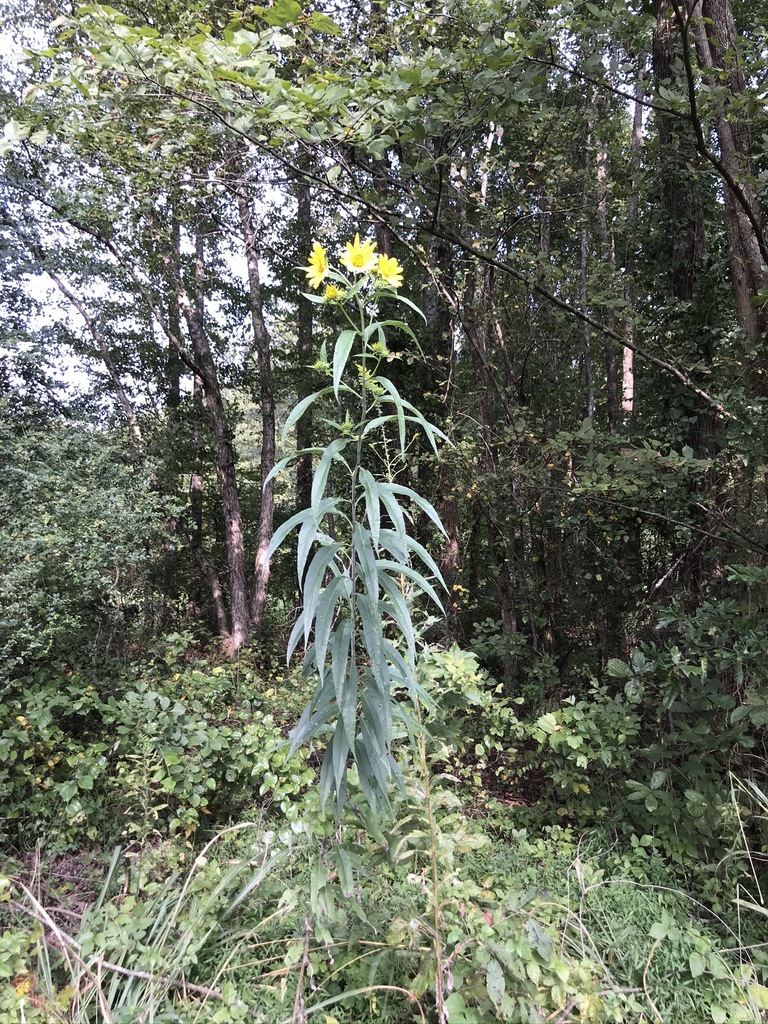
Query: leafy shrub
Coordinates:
[73,542]
[89,758]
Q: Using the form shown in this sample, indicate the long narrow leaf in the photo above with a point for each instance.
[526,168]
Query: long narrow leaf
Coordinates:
[395,396]
[337,591]
[422,503]
[331,454]
[341,352]
[298,411]
[415,577]
[372,503]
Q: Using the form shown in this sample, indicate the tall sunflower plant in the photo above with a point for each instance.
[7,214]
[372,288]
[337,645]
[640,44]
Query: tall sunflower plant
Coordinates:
[360,567]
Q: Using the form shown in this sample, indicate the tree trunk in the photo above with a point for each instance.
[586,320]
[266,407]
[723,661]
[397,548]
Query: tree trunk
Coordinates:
[717,51]
[262,342]
[677,151]
[224,454]
[304,350]
[635,157]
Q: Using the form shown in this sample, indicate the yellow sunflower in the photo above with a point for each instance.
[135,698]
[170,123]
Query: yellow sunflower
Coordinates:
[332,293]
[359,256]
[390,271]
[318,266]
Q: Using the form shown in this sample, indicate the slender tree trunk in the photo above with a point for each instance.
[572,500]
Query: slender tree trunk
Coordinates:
[678,155]
[608,259]
[635,157]
[262,342]
[304,349]
[224,454]
[586,330]
[717,52]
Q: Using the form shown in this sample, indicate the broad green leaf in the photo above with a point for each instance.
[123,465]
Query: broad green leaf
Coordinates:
[696,964]
[281,13]
[322,23]
[495,982]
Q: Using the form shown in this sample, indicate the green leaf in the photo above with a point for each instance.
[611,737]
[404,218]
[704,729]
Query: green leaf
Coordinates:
[394,394]
[422,503]
[313,581]
[618,669]
[337,591]
[281,13]
[341,352]
[495,982]
[331,454]
[696,964]
[372,503]
[298,411]
[322,23]
[411,574]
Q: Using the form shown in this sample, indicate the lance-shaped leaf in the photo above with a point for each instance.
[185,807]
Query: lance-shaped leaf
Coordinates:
[341,667]
[394,395]
[427,559]
[313,581]
[280,466]
[392,505]
[331,454]
[285,528]
[407,302]
[315,716]
[373,637]
[415,416]
[293,639]
[372,503]
[395,544]
[336,593]
[298,411]
[399,611]
[365,558]
[333,772]
[415,577]
[341,352]
[422,503]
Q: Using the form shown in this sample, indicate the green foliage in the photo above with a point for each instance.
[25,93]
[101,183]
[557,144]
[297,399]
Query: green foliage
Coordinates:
[148,749]
[78,516]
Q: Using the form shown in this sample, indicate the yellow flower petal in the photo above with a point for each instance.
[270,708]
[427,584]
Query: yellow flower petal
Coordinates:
[359,257]
[332,293]
[318,266]
[390,271]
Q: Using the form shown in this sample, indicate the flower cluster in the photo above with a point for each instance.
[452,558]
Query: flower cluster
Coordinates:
[358,258]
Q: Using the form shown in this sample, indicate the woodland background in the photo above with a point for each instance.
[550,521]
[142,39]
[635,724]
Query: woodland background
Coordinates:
[575,192]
